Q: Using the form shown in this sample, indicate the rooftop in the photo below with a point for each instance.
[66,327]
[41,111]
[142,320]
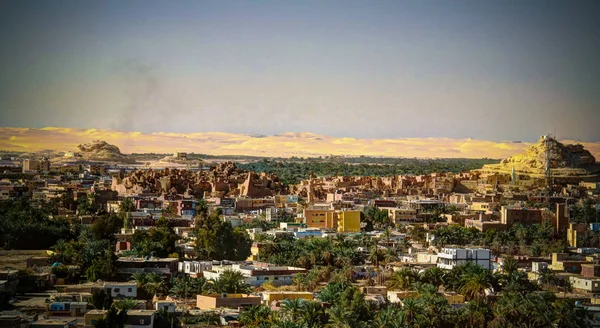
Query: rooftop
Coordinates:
[140,312]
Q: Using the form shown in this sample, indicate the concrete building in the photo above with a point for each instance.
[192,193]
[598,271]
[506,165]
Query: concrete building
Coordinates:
[590,270]
[319,219]
[232,301]
[270,297]
[129,265]
[121,289]
[92,316]
[258,273]
[140,319]
[569,263]
[194,268]
[342,221]
[586,284]
[168,306]
[54,323]
[576,234]
[510,215]
[348,221]
[448,258]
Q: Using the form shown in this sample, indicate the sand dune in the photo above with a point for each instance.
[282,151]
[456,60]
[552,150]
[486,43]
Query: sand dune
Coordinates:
[285,145]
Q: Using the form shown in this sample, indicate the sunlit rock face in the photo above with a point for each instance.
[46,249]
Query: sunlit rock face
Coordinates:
[559,155]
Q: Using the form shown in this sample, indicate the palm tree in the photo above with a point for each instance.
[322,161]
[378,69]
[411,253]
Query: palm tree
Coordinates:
[568,315]
[412,310]
[289,324]
[476,314]
[291,309]
[230,281]
[184,286]
[433,275]
[475,284]
[155,284]
[403,279]
[256,316]
[547,278]
[311,314]
[340,317]
[509,265]
[141,278]
[125,304]
[389,317]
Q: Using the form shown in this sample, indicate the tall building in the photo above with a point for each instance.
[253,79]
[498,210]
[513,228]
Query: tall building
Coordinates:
[450,257]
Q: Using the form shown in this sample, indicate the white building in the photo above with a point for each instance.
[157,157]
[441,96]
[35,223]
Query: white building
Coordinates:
[234,220]
[194,267]
[167,306]
[258,273]
[121,289]
[449,257]
[538,266]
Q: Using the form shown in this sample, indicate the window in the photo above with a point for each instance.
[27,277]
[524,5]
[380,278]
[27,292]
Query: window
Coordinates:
[116,290]
[130,289]
[141,321]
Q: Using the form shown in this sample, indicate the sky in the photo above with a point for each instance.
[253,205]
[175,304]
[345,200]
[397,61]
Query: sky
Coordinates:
[489,70]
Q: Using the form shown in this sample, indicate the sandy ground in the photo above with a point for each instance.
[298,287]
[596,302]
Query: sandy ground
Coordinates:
[17,260]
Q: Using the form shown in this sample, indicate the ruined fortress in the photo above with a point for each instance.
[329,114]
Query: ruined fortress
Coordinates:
[223,179]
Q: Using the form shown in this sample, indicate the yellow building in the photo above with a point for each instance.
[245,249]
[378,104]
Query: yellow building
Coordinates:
[576,234]
[348,221]
[320,219]
[268,297]
[480,206]
[342,221]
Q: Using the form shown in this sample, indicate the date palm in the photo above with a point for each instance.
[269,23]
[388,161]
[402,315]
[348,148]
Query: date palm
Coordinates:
[312,314]
[340,317]
[291,309]
[403,279]
[476,283]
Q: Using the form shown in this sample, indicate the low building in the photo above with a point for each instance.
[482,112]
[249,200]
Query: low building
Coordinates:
[194,268]
[585,284]
[233,301]
[258,273]
[93,316]
[140,319]
[590,270]
[14,319]
[450,257]
[395,296]
[54,323]
[121,289]
[569,263]
[168,306]
[129,265]
[374,290]
[269,297]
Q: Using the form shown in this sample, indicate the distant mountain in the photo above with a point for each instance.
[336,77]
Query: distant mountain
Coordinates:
[299,144]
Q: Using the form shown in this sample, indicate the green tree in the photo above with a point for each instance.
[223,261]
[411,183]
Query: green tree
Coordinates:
[217,240]
[230,281]
[403,279]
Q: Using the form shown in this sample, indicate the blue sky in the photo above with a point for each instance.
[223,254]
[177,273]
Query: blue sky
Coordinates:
[492,70]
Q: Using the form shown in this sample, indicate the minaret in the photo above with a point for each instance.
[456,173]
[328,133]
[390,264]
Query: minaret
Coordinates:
[513,176]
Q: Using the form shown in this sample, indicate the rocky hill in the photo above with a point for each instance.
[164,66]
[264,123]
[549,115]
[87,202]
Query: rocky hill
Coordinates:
[101,151]
[571,159]
[560,156]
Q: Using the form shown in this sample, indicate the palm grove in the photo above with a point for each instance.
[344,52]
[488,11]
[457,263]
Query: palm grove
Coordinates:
[330,261]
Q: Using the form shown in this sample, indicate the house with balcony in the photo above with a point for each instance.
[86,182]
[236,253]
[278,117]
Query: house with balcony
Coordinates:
[450,257]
